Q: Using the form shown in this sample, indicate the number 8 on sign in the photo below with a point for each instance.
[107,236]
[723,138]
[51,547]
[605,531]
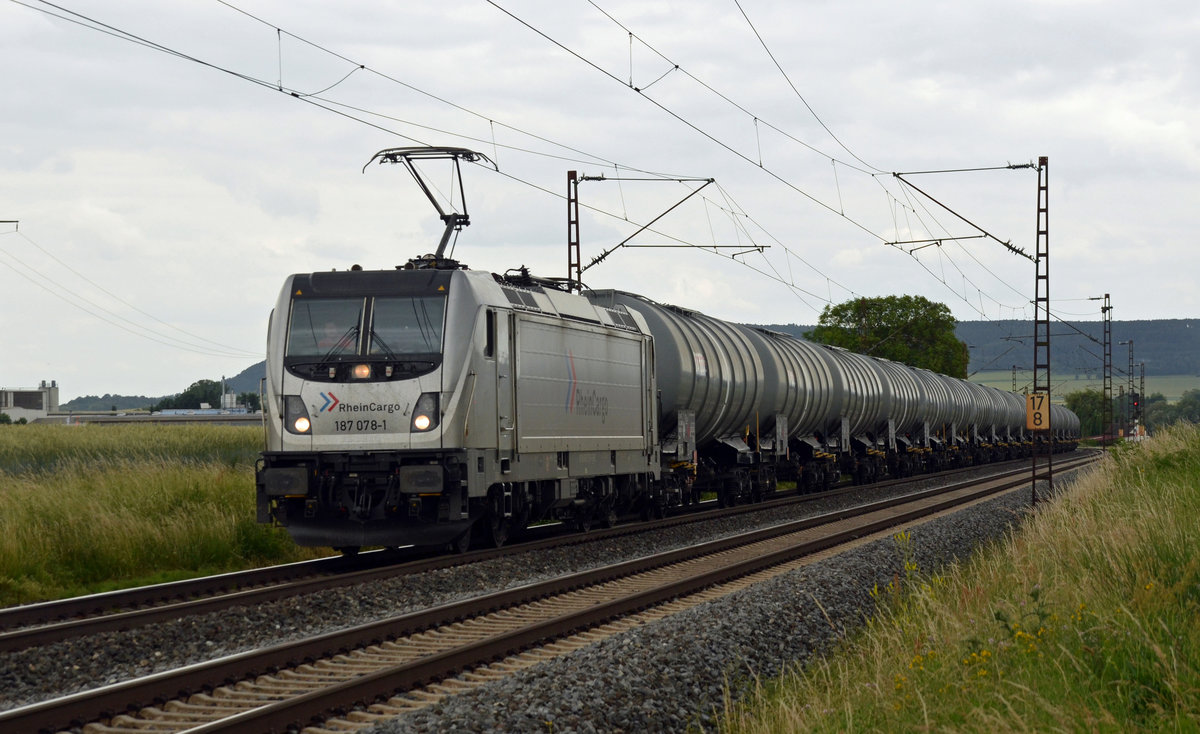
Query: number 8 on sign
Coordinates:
[1037,411]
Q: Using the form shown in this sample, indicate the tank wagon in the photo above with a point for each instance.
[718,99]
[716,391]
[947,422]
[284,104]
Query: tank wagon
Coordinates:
[429,404]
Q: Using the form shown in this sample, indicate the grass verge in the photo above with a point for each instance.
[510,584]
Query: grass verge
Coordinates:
[92,508]
[1088,618]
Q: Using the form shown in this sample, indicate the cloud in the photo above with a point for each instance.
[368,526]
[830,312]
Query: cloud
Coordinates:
[192,192]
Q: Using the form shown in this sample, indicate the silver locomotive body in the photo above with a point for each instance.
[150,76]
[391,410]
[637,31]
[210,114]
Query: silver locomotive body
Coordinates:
[404,407]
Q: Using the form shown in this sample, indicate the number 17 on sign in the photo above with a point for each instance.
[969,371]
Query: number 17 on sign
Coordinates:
[1037,411]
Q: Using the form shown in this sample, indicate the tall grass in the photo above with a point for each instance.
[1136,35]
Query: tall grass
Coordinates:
[88,508]
[40,447]
[1088,618]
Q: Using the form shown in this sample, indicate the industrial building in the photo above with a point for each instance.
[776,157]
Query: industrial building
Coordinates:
[29,403]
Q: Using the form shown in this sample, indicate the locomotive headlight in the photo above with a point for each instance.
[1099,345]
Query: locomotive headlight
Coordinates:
[362,371]
[295,415]
[425,414]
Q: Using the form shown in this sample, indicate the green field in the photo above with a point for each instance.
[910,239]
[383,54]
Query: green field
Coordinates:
[91,508]
[1171,386]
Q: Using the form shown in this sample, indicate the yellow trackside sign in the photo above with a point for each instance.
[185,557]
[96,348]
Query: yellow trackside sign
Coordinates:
[1037,411]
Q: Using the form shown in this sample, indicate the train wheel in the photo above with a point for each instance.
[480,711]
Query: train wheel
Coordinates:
[462,543]
[608,517]
[496,530]
[493,528]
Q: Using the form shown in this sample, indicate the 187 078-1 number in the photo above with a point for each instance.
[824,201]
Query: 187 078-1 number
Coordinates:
[362,424]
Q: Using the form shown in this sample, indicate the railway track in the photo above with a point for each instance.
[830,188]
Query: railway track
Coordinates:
[32,625]
[290,685]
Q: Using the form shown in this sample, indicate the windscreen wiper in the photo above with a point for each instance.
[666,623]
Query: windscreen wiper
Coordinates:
[387,351]
[347,339]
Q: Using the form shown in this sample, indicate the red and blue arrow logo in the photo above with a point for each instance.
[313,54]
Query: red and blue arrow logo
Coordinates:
[571,384]
[331,402]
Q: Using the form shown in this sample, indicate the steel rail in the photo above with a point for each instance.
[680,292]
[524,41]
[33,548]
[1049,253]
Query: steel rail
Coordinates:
[101,703]
[44,623]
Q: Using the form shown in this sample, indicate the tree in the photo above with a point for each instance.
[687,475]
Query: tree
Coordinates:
[1188,406]
[1089,406]
[908,329]
[250,400]
[201,391]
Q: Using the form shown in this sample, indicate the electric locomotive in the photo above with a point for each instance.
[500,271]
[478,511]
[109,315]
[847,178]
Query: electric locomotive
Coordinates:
[405,405]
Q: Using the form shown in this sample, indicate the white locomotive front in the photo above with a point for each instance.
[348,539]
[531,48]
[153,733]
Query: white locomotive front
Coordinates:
[405,406]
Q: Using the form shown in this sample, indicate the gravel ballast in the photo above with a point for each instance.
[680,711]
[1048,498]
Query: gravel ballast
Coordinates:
[673,674]
[579,692]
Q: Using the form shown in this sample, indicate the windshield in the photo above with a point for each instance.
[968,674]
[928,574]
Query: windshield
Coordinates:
[407,325]
[324,327]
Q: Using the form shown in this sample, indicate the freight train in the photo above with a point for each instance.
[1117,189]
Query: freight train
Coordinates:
[432,404]
[414,406]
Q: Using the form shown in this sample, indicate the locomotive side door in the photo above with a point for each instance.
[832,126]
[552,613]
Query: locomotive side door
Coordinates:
[506,398]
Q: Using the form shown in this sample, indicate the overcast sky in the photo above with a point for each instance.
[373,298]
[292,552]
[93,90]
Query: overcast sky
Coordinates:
[163,201]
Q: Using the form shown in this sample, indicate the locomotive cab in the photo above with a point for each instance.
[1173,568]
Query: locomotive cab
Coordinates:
[358,390]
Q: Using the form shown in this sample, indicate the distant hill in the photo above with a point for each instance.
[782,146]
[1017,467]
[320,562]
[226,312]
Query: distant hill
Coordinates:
[247,380]
[108,402]
[244,381]
[1167,346]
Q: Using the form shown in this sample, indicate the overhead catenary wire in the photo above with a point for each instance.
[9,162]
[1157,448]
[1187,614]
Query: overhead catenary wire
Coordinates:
[122,301]
[331,105]
[721,95]
[788,79]
[738,153]
[311,99]
[875,171]
[339,108]
[111,317]
[712,138]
